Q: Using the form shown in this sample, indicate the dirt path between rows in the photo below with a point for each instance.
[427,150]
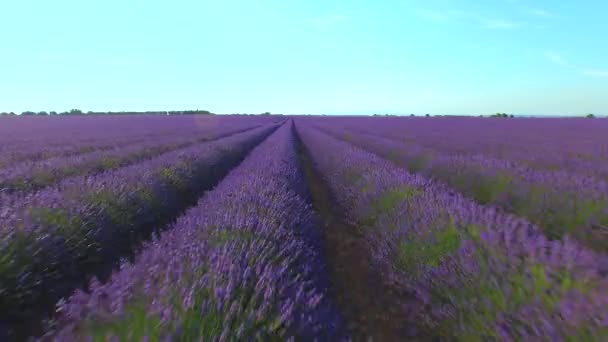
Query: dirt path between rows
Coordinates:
[365,304]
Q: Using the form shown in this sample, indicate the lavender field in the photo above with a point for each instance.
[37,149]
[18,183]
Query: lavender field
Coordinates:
[302,228]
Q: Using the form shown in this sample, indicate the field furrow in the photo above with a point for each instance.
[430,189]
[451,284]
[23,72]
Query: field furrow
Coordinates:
[356,286]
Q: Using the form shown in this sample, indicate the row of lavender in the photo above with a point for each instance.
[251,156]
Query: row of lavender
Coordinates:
[243,265]
[36,174]
[35,138]
[577,145]
[561,202]
[53,239]
[477,274]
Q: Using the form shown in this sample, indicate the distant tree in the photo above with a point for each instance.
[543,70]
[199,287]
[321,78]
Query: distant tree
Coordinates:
[512,115]
[266,113]
[500,115]
[4,113]
[428,115]
[72,112]
[412,115]
[52,112]
[28,113]
[43,113]
[590,116]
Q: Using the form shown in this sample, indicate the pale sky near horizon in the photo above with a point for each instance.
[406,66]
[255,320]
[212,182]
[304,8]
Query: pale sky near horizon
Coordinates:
[316,56]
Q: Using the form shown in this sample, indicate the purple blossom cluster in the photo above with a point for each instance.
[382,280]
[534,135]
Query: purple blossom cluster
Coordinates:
[476,273]
[35,174]
[52,240]
[244,264]
[561,202]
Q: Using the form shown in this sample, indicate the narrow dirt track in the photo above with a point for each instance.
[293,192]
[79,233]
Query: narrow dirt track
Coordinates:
[365,304]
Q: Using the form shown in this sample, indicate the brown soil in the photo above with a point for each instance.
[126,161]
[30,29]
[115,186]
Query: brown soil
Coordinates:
[368,307]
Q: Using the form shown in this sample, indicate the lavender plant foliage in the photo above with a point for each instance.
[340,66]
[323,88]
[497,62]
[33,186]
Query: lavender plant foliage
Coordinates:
[569,144]
[51,240]
[477,273]
[562,202]
[243,265]
[35,174]
[31,138]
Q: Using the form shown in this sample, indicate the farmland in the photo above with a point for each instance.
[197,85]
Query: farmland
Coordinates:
[230,228]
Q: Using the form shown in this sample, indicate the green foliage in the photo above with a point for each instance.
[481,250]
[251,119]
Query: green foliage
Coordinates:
[110,162]
[428,251]
[41,178]
[389,201]
[171,176]
[492,292]
[51,217]
[117,210]
[222,236]
[134,325]
[489,189]
[501,115]
[419,162]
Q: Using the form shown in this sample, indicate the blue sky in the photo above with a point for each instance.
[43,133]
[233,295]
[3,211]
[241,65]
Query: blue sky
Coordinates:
[335,57]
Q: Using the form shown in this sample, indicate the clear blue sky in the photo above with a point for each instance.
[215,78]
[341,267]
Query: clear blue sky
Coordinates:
[315,56]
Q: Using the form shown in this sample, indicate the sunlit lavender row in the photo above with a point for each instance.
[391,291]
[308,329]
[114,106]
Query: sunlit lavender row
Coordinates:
[52,239]
[571,144]
[33,175]
[561,202]
[476,273]
[26,139]
[244,264]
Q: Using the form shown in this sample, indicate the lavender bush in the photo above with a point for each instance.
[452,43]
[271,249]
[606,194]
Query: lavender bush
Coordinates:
[477,274]
[569,144]
[242,265]
[31,138]
[36,174]
[563,203]
[52,239]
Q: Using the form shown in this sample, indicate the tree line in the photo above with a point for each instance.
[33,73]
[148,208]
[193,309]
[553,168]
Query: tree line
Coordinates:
[80,112]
